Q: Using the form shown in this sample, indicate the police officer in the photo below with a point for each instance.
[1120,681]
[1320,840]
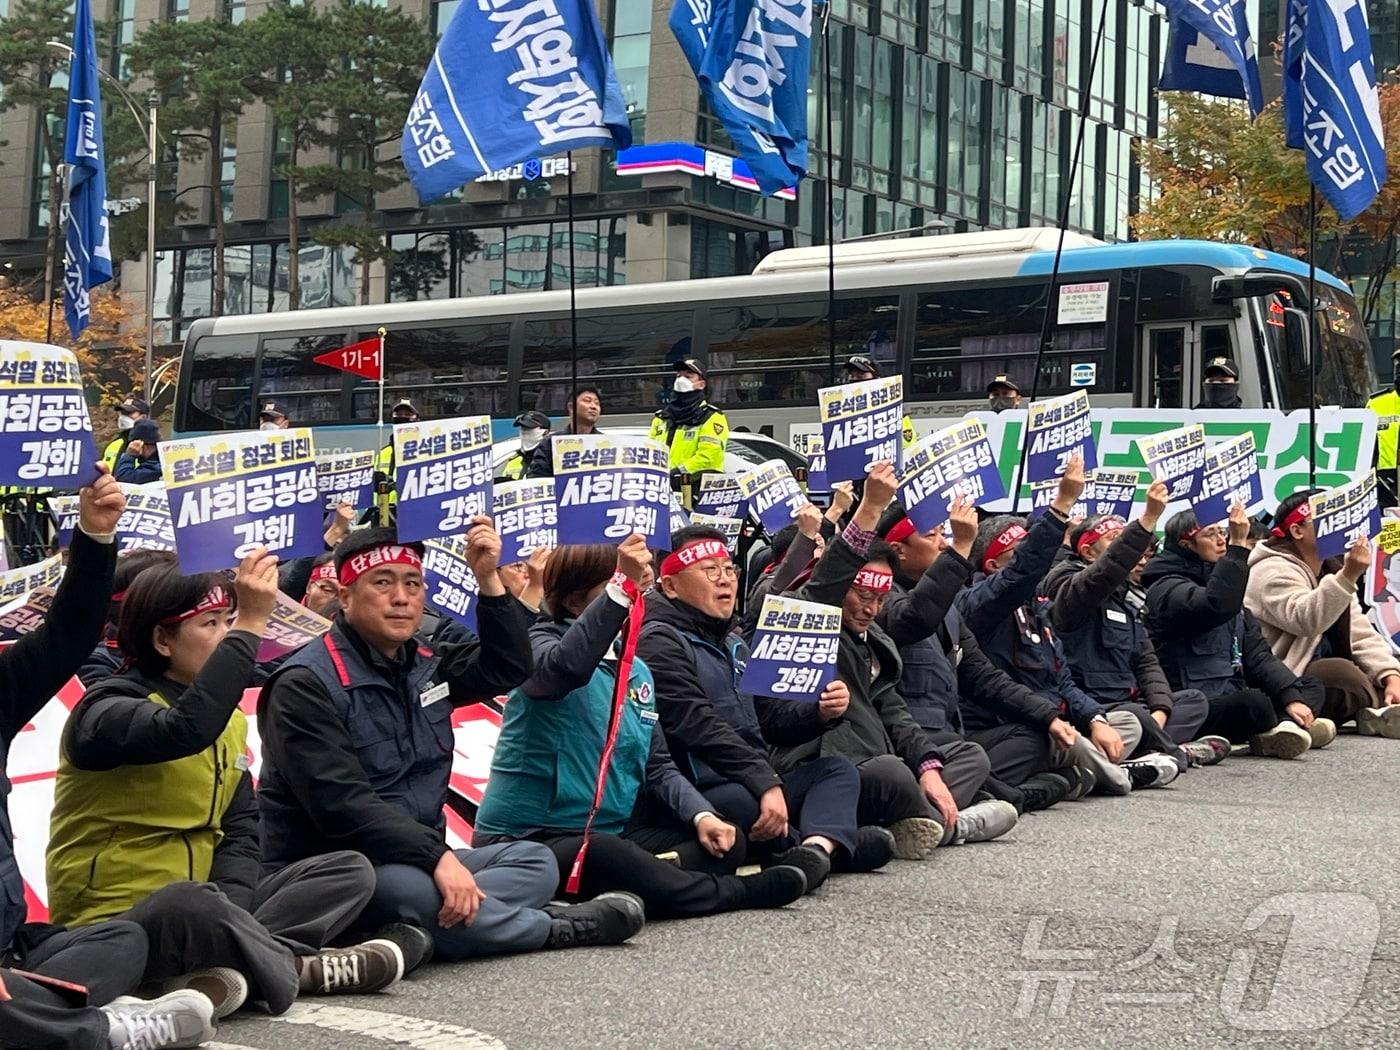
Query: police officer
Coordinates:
[1221,385]
[694,430]
[1385,403]
[534,428]
[861,368]
[402,412]
[129,413]
[1003,393]
[273,416]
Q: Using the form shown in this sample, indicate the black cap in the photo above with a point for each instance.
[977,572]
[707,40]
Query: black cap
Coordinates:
[532,419]
[404,403]
[689,364]
[273,410]
[1223,364]
[1003,380]
[145,430]
[134,404]
[861,363]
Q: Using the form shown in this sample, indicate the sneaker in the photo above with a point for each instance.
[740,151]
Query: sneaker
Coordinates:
[180,1019]
[1154,770]
[1207,751]
[1379,721]
[415,944]
[1286,740]
[609,918]
[1043,790]
[358,970]
[227,989]
[874,848]
[1322,732]
[916,837]
[984,821]
[771,888]
[1081,782]
[814,862]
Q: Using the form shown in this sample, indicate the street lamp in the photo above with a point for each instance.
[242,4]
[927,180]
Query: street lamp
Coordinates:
[149,124]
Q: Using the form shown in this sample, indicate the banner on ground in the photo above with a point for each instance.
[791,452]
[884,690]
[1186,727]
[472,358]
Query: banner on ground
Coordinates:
[16,583]
[608,488]
[442,474]
[955,461]
[773,494]
[45,433]
[793,655]
[232,493]
[289,627]
[525,517]
[731,527]
[1058,429]
[1178,458]
[720,494]
[1342,514]
[346,478]
[452,586]
[861,426]
[1230,476]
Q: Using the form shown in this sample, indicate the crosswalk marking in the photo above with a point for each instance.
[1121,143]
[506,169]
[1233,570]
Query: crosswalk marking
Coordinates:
[414,1032]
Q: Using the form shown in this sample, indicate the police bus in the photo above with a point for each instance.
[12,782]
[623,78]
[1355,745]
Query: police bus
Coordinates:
[1134,325]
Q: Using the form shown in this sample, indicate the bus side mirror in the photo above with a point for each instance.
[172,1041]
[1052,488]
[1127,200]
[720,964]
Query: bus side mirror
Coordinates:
[1250,286]
[1295,331]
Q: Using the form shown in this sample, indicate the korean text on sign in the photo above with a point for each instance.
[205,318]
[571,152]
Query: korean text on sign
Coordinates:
[818,479]
[1343,514]
[442,475]
[1177,457]
[232,493]
[25,615]
[45,434]
[16,583]
[720,494]
[347,478]
[861,426]
[952,462]
[452,587]
[793,655]
[1043,494]
[731,527]
[1057,429]
[1230,476]
[773,493]
[609,488]
[525,517]
[1111,491]
[145,524]
[290,626]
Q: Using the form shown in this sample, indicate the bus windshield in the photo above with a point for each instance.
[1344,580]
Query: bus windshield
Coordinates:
[1346,374]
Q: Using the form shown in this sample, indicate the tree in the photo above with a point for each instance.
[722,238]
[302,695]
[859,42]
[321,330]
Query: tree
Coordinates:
[1219,176]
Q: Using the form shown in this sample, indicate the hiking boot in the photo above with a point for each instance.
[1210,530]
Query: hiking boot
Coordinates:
[1081,782]
[1322,732]
[814,862]
[916,837]
[1044,789]
[357,970]
[227,989]
[1379,721]
[771,888]
[180,1019]
[1207,751]
[609,918]
[984,821]
[1285,740]
[1152,771]
[415,943]
[874,848]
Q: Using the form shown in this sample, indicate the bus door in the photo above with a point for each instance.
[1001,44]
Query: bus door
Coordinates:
[1172,359]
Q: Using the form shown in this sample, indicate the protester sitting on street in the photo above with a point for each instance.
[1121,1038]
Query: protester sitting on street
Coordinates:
[589,687]
[1313,622]
[945,668]
[1206,639]
[106,659]
[584,421]
[1109,648]
[140,463]
[1012,624]
[155,820]
[796,548]
[357,752]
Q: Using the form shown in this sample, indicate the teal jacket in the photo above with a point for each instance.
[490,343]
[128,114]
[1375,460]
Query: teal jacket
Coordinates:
[545,768]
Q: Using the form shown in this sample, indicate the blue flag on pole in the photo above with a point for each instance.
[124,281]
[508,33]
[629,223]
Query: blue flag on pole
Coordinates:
[511,80]
[1210,50]
[751,58]
[1331,107]
[87,253]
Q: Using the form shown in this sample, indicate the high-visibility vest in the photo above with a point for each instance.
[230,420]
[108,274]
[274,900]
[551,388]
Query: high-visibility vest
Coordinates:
[1386,405]
[694,448]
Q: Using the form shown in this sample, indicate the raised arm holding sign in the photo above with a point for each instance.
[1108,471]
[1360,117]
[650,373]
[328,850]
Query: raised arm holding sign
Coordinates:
[1177,457]
[45,433]
[1344,515]
[952,462]
[861,425]
[608,488]
[1056,430]
[442,474]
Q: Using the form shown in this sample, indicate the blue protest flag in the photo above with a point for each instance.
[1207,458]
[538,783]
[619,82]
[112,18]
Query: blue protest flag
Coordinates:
[1210,50]
[1295,22]
[510,81]
[87,252]
[751,58]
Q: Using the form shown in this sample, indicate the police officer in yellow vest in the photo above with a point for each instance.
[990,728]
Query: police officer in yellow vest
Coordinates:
[1385,403]
[403,412]
[534,428]
[130,412]
[860,368]
[694,430]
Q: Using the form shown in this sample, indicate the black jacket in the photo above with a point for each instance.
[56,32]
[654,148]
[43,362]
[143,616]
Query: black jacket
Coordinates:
[541,462]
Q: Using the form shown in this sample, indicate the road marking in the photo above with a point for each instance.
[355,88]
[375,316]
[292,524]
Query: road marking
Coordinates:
[415,1032]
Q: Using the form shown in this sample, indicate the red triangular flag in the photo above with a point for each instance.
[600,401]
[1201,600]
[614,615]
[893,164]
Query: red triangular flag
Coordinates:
[363,358]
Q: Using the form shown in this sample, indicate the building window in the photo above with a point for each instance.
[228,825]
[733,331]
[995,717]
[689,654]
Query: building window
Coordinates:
[234,11]
[631,51]
[227,168]
[123,32]
[177,10]
[443,10]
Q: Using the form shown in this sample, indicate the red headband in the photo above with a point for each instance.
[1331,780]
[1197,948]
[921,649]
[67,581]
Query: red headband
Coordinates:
[1190,534]
[1089,537]
[388,554]
[1004,541]
[900,531]
[324,571]
[1299,514]
[213,601]
[873,580]
[692,554]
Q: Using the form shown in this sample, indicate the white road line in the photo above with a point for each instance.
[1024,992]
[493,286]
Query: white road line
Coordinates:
[414,1032]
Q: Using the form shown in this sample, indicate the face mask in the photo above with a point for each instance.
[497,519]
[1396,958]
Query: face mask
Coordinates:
[683,385]
[530,437]
[268,424]
[1220,395]
[1001,404]
[125,422]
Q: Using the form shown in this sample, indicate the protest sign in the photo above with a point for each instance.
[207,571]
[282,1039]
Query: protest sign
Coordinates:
[16,583]
[731,527]
[721,495]
[1340,515]
[608,488]
[861,426]
[1389,538]
[144,524]
[1043,494]
[442,475]
[1057,430]
[1230,476]
[289,627]
[525,517]
[452,586]
[1111,491]
[1178,458]
[25,614]
[818,480]
[346,478]
[773,494]
[952,462]
[232,493]
[793,655]
[45,433]
[64,511]
[679,518]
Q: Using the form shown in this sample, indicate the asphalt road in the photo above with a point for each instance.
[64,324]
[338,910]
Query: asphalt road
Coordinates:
[1249,903]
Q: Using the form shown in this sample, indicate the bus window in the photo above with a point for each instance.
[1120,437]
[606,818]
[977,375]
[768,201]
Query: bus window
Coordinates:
[219,383]
[627,355]
[289,376]
[446,371]
[1166,354]
[1345,376]
[780,352]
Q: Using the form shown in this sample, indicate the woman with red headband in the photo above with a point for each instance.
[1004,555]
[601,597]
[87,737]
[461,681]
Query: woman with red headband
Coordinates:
[155,820]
